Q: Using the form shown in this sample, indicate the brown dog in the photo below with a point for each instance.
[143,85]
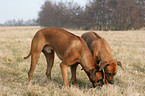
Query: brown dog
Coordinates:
[102,53]
[69,48]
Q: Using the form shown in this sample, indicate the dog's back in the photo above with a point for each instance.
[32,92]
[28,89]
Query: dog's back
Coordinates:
[59,39]
[98,46]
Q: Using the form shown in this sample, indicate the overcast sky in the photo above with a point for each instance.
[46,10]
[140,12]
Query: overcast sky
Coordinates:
[24,9]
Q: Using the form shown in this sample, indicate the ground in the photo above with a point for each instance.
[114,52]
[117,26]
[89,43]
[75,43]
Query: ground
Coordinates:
[127,47]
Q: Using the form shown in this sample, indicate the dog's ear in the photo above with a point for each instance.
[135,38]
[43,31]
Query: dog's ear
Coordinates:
[119,63]
[102,65]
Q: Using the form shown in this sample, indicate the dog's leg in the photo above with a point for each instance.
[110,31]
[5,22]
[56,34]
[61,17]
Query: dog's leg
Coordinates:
[36,49]
[50,61]
[64,74]
[34,59]
[73,72]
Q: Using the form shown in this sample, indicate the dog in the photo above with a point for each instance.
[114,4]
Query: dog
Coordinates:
[102,54]
[71,49]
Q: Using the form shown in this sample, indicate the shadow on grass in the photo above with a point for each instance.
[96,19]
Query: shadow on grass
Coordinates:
[58,81]
[84,83]
[81,83]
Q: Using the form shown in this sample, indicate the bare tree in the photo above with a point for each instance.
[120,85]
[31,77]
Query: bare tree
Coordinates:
[97,14]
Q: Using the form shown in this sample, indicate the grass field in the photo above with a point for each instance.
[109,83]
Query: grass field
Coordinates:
[127,47]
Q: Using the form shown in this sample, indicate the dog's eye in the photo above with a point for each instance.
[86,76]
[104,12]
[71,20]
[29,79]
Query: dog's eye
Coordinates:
[109,74]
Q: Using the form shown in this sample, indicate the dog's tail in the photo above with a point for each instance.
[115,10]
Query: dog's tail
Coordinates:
[28,55]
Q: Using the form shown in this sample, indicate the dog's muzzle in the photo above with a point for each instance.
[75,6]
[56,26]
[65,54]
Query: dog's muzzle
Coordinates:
[110,81]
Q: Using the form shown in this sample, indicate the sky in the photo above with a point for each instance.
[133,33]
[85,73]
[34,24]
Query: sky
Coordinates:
[24,9]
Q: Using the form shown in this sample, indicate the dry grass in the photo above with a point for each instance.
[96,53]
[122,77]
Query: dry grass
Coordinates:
[127,46]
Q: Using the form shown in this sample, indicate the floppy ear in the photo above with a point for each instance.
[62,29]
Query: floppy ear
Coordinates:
[119,63]
[102,65]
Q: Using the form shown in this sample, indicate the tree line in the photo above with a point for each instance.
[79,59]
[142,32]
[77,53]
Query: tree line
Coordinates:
[96,14]
[20,22]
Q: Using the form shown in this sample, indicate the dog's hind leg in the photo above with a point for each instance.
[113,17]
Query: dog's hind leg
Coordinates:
[49,54]
[34,59]
[36,49]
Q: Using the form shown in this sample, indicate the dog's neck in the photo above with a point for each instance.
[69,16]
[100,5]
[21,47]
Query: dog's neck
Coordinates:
[87,63]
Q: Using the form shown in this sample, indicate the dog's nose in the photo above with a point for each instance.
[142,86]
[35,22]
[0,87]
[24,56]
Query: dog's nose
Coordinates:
[112,82]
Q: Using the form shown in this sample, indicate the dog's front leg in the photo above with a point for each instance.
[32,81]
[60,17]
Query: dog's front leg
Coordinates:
[64,74]
[73,72]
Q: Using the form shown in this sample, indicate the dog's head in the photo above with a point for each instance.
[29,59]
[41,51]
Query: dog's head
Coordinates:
[110,69]
[96,77]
